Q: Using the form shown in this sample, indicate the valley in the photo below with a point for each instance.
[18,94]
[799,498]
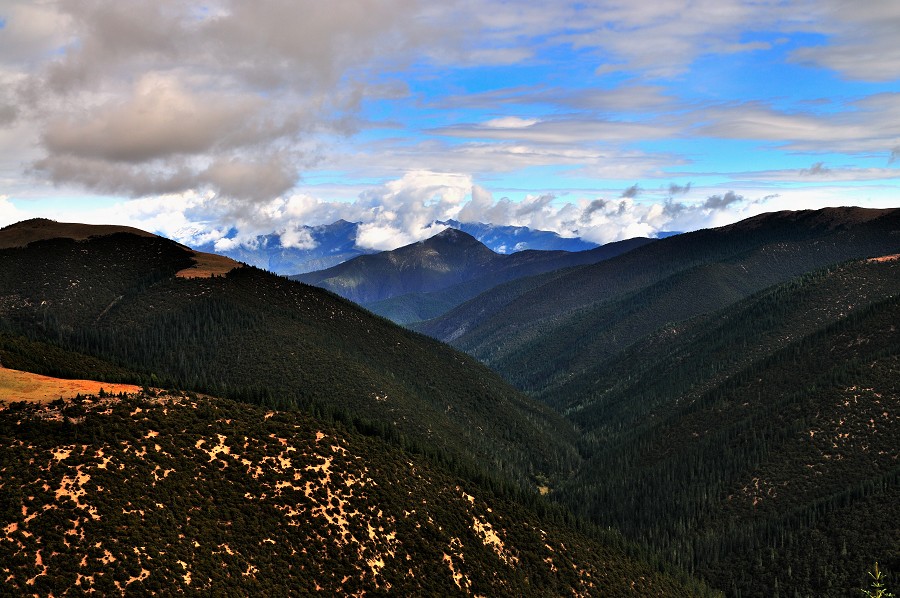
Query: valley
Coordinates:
[713,413]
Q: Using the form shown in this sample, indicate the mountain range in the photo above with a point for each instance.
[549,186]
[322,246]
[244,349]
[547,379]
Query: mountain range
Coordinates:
[322,247]
[150,306]
[734,389]
[715,409]
[360,458]
[327,245]
[425,279]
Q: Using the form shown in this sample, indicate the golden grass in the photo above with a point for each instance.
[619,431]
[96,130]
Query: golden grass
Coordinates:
[34,388]
[207,265]
[886,258]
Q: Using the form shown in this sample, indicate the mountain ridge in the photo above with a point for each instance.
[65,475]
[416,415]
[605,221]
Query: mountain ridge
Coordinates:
[324,246]
[774,247]
[440,272]
[119,298]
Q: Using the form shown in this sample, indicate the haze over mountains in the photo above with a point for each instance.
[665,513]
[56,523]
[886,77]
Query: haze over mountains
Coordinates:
[727,399]
[425,279]
[312,248]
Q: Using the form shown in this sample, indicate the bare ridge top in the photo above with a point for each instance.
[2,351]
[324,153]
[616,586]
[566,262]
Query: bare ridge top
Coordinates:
[23,233]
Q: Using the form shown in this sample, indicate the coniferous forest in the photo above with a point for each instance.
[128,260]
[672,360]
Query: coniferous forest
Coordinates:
[712,413]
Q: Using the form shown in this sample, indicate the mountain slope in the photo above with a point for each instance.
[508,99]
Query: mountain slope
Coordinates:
[735,391]
[572,321]
[416,307]
[442,271]
[772,463]
[196,495]
[441,261]
[258,337]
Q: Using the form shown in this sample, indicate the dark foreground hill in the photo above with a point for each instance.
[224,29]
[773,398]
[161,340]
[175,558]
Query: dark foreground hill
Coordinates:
[758,445]
[141,304]
[145,495]
[425,279]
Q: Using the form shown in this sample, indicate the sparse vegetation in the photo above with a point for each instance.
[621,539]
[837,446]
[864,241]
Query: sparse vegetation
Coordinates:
[208,496]
[877,587]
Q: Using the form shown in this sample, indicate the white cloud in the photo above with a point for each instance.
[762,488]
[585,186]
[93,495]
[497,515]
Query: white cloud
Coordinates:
[9,214]
[564,131]
[211,112]
[868,125]
[297,238]
[862,40]
[510,122]
[145,97]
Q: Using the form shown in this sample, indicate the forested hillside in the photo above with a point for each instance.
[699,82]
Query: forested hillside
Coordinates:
[551,327]
[185,494]
[760,444]
[261,338]
[735,391]
[727,399]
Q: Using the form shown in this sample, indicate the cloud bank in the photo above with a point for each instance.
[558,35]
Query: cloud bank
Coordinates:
[409,209]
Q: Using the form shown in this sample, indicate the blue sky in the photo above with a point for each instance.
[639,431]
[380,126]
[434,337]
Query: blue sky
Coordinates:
[605,119]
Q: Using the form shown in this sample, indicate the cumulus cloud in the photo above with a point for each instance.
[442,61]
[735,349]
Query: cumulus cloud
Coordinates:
[862,40]
[155,97]
[9,213]
[31,31]
[254,180]
[411,208]
[297,238]
[159,119]
[224,106]
[8,114]
[405,210]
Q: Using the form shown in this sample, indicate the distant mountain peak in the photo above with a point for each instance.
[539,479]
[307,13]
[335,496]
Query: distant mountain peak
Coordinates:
[507,239]
[455,236]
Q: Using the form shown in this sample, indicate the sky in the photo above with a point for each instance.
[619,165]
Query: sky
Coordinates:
[606,119]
